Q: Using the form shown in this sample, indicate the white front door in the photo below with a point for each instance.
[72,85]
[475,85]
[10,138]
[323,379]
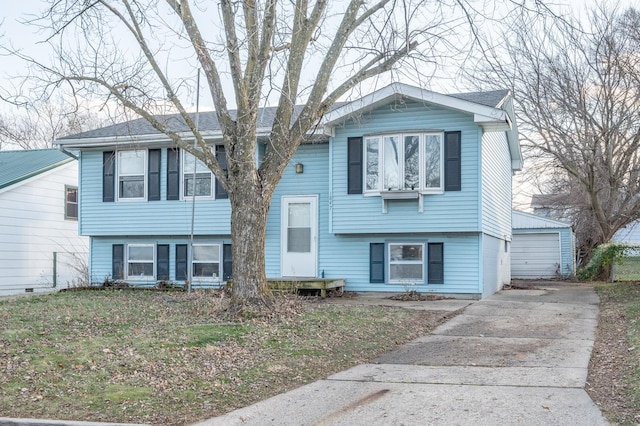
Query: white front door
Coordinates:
[299,236]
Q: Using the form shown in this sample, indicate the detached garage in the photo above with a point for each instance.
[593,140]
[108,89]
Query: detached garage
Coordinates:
[541,247]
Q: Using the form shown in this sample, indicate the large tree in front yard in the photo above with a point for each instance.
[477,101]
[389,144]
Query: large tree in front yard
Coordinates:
[577,90]
[305,52]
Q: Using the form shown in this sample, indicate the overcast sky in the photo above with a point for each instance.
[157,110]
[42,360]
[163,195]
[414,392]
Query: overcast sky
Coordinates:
[19,36]
[23,37]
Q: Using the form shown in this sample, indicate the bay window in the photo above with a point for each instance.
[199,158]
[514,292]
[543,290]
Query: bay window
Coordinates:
[409,161]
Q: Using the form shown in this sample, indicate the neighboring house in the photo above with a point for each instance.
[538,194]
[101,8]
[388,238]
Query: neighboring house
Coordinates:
[541,247]
[401,189]
[40,249]
[552,206]
[630,234]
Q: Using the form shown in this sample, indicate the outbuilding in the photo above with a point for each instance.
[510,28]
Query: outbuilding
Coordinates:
[541,247]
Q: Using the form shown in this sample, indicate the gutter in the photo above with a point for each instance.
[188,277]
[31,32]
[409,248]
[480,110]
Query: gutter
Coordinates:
[64,151]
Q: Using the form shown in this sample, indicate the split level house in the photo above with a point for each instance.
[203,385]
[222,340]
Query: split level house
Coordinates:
[40,248]
[403,189]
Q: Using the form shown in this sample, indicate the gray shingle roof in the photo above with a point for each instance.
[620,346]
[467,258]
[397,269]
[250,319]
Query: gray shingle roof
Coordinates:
[16,166]
[490,99]
[209,122]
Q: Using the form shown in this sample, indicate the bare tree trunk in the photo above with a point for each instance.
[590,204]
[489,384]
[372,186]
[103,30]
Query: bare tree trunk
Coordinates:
[249,210]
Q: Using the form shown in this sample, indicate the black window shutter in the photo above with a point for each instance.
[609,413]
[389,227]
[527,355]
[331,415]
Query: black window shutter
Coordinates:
[117,261]
[376,262]
[227,262]
[162,271]
[154,175]
[181,262]
[436,263]
[221,155]
[173,174]
[354,165]
[452,175]
[108,176]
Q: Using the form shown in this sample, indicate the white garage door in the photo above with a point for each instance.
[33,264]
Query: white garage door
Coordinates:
[535,255]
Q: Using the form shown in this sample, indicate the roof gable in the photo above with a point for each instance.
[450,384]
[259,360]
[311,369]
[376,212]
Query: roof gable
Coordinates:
[17,166]
[485,106]
[523,220]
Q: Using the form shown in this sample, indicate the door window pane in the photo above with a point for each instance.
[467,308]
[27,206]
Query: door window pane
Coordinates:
[299,215]
[299,240]
[299,228]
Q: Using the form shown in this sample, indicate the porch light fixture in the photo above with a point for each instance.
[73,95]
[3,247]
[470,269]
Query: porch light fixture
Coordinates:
[299,168]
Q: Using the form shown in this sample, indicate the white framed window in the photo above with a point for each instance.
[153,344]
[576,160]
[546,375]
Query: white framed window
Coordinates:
[406,263]
[70,202]
[203,176]
[141,261]
[404,161]
[131,167]
[206,261]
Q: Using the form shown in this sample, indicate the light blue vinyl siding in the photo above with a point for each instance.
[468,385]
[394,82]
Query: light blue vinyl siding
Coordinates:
[101,252]
[347,256]
[164,217]
[496,185]
[454,211]
[314,181]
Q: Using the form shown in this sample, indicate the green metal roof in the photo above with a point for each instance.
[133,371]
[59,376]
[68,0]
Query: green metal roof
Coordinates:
[16,166]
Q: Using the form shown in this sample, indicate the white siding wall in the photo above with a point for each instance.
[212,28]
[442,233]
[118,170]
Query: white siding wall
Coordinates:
[630,234]
[32,228]
[496,185]
[496,266]
[496,211]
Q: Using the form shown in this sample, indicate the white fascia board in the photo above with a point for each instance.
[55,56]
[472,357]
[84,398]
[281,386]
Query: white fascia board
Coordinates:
[492,124]
[386,94]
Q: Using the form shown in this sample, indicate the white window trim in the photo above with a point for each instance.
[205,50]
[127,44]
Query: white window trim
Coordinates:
[220,263]
[405,262]
[184,175]
[127,260]
[144,176]
[401,162]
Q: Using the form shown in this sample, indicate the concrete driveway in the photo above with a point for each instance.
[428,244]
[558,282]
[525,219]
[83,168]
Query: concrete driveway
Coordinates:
[519,357]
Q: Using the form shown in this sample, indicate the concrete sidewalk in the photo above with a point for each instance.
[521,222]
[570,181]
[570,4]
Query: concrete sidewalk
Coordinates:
[517,357]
